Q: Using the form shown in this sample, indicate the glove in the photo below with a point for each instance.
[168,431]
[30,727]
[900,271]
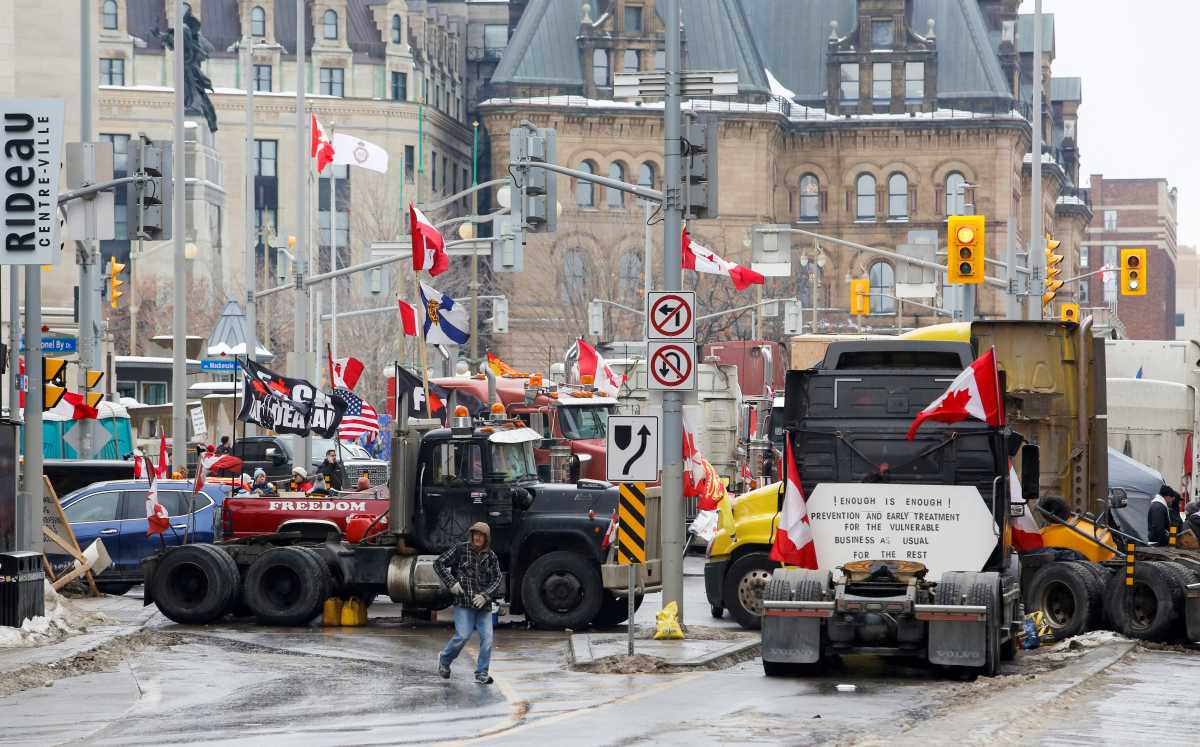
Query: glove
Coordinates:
[456,589]
[479,601]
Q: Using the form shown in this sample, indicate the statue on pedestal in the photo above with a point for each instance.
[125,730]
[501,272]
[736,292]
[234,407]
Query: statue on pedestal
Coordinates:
[196,84]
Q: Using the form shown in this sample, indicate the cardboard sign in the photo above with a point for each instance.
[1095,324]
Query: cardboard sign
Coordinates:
[58,538]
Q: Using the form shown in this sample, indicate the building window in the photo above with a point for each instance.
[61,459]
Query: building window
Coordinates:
[264,157]
[1110,278]
[914,81]
[849,87]
[108,15]
[332,80]
[446,174]
[1085,292]
[397,29]
[865,191]
[633,18]
[646,175]
[631,274]
[399,86]
[120,146]
[1110,220]
[633,61]
[154,393]
[409,162]
[574,274]
[616,198]
[264,220]
[495,39]
[433,169]
[600,67]
[258,22]
[1179,319]
[1083,258]
[810,197]
[883,285]
[898,197]
[585,191]
[881,82]
[262,78]
[330,23]
[883,34]
[112,72]
[956,194]
[660,60]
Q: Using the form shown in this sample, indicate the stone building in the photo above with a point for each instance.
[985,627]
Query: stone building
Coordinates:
[859,119]
[1187,294]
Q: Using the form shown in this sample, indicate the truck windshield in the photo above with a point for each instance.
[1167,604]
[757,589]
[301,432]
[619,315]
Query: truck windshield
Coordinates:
[514,461]
[580,422]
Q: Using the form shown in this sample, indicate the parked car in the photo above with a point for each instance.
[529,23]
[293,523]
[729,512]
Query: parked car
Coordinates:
[115,511]
[275,457]
[354,458]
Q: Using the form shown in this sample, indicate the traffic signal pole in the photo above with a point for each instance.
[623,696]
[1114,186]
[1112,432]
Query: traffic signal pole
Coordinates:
[1037,259]
[179,229]
[90,320]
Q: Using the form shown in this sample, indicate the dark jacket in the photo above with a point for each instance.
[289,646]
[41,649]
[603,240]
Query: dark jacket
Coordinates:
[477,571]
[1159,520]
[336,473]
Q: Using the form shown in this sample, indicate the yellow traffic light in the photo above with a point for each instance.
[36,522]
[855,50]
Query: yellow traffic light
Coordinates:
[1053,270]
[860,297]
[54,381]
[965,249]
[91,381]
[115,269]
[1069,312]
[1133,272]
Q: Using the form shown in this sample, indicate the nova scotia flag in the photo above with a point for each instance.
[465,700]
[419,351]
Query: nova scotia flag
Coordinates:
[446,320]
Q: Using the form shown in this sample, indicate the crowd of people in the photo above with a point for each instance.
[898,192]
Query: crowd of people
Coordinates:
[329,478]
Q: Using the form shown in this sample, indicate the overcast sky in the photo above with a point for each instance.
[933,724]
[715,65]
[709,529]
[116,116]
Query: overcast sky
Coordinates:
[1140,101]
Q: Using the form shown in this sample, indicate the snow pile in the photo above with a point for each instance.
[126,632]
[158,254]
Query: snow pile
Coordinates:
[1091,639]
[62,619]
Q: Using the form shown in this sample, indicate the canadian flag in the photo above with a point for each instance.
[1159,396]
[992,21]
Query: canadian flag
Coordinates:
[794,537]
[610,534]
[428,246]
[592,364]
[162,456]
[139,465]
[408,319]
[211,462]
[156,515]
[701,259]
[322,149]
[1025,534]
[974,393]
[345,372]
[693,460]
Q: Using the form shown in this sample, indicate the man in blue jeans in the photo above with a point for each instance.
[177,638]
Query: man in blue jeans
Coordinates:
[471,571]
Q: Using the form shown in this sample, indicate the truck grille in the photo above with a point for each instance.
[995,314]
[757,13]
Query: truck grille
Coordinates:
[376,473]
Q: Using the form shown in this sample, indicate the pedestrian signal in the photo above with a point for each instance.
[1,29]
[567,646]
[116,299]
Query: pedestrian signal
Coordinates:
[1069,312]
[860,297]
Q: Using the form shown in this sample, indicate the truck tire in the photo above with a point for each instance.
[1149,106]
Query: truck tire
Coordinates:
[286,586]
[195,584]
[743,589]
[1148,610]
[1100,574]
[562,589]
[986,591]
[115,588]
[1069,595]
[614,611]
[803,585]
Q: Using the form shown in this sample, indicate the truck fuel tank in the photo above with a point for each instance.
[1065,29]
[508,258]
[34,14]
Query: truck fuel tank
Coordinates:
[411,579]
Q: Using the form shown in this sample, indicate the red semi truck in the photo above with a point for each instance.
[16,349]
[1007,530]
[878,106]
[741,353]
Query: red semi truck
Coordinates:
[313,516]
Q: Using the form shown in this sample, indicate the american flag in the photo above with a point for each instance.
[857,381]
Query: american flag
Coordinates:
[359,417]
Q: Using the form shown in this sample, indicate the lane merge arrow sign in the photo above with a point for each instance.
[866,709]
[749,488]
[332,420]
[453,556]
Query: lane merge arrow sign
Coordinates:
[632,448]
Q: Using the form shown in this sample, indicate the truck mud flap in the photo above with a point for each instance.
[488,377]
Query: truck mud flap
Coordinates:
[714,578]
[957,638]
[1191,611]
[791,636]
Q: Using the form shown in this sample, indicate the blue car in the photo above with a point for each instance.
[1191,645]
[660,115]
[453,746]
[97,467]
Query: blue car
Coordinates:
[115,511]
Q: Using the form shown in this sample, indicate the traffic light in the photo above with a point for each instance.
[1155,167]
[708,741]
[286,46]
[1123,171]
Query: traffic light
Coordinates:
[54,381]
[148,207]
[537,197]
[596,319]
[860,297]
[965,250]
[115,269]
[1053,270]
[1133,272]
[91,381]
[499,315]
[1069,312]
[700,188]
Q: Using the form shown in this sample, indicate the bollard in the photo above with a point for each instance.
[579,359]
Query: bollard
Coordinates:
[1129,564]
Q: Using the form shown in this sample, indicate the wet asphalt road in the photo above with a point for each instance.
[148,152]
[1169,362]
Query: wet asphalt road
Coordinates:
[241,684]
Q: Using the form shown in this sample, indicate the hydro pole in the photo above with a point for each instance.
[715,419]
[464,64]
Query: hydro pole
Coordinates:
[251,264]
[179,423]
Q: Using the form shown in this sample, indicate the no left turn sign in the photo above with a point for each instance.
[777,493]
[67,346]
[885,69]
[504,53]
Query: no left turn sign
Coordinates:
[672,365]
[670,315]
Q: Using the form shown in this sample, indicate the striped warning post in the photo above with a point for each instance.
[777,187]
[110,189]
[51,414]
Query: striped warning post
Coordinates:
[631,524]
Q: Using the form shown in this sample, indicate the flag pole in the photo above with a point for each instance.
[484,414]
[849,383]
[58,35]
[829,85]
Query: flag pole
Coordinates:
[423,345]
[333,252]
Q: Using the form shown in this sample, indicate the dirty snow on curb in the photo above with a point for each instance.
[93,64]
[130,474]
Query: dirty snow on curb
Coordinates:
[62,619]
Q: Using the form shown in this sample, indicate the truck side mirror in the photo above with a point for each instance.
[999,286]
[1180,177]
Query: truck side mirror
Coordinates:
[1031,467]
[521,498]
[1117,498]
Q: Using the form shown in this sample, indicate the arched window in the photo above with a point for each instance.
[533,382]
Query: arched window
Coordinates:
[616,198]
[600,67]
[258,21]
[585,191]
[632,61]
[646,175]
[108,15]
[883,281]
[956,194]
[330,22]
[574,272]
[898,197]
[865,192]
[630,274]
[397,29]
[810,197]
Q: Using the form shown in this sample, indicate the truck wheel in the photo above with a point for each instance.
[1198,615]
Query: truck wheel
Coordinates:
[986,591]
[717,611]
[115,588]
[1069,595]
[744,584]
[1100,574]
[562,589]
[614,611]
[286,586]
[195,584]
[1149,609]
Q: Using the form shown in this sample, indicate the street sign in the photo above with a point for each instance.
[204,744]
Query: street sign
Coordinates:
[632,448]
[631,523]
[31,159]
[672,365]
[57,345]
[670,315]
[223,365]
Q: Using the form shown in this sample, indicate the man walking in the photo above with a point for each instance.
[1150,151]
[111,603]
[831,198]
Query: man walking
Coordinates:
[471,571]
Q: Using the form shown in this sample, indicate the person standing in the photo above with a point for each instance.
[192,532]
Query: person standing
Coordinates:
[223,447]
[332,469]
[1163,514]
[471,572]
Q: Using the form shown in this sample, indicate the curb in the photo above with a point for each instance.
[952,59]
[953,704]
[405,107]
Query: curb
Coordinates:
[580,652]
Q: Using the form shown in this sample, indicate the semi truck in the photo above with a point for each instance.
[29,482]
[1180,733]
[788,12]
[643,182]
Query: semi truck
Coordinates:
[549,537]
